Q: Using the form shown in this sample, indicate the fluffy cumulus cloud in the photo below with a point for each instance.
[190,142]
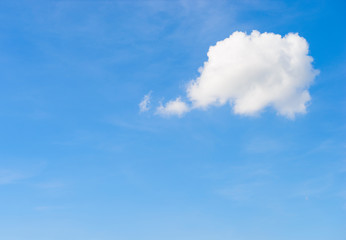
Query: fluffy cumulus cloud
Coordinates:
[251,73]
[174,107]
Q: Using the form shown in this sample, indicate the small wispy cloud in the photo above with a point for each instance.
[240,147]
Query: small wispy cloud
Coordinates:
[48,208]
[144,105]
[174,107]
[9,176]
[241,192]
[315,187]
[51,185]
[263,145]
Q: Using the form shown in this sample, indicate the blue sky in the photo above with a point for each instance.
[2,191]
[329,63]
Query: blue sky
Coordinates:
[78,160]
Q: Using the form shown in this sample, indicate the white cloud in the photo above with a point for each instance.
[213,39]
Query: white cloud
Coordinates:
[8,176]
[253,72]
[144,105]
[174,107]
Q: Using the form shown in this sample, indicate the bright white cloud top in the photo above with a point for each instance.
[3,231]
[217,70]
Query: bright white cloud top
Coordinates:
[250,73]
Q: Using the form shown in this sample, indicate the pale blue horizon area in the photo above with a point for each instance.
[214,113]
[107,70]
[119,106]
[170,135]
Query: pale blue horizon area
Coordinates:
[79,161]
